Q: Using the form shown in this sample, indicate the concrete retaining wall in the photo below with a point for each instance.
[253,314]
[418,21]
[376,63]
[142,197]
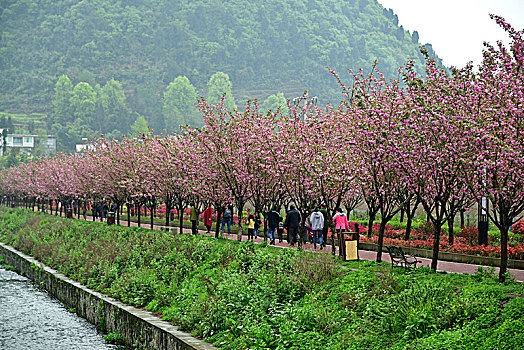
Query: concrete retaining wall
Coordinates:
[445,256]
[139,328]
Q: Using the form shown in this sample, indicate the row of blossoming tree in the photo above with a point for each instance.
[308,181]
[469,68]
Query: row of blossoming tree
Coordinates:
[443,140]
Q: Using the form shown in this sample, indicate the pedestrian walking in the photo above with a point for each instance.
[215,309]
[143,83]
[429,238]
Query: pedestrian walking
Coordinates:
[273,221]
[98,210]
[84,209]
[325,214]
[258,224]
[280,229]
[226,219]
[194,219]
[250,226]
[105,209]
[208,218]
[317,225]
[292,224]
[307,230]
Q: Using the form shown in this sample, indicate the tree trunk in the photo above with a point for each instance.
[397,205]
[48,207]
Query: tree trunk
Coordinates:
[152,209]
[451,234]
[372,217]
[118,214]
[462,219]
[240,212]
[265,226]
[168,213]
[341,239]
[332,230]
[138,210]
[128,214]
[301,228]
[380,241]
[219,221]
[401,215]
[181,218]
[411,214]
[503,254]
[436,246]
[409,222]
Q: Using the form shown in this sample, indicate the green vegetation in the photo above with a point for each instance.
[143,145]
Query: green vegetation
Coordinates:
[244,295]
[114,338]
[58,55]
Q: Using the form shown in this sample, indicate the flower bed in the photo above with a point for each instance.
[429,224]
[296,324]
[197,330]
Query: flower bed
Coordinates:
[516,252]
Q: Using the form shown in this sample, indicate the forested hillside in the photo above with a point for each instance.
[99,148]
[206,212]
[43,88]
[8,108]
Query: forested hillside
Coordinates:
[141,46]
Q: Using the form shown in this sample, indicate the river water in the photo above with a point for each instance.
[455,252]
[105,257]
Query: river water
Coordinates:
[31,319]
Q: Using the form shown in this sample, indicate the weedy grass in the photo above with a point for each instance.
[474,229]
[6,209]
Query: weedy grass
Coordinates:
[254,296]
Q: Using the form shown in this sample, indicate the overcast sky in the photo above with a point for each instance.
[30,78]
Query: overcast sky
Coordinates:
[457,28]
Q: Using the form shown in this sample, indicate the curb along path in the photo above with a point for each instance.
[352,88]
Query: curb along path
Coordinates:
[139,327]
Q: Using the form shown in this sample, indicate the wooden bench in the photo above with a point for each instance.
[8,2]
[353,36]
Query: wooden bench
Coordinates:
[398,258]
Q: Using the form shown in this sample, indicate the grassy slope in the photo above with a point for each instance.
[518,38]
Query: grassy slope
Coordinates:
[242,295]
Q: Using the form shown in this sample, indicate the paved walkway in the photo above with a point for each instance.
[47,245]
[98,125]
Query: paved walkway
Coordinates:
[444,266]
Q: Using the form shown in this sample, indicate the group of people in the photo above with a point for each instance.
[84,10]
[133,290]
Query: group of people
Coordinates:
[316,224]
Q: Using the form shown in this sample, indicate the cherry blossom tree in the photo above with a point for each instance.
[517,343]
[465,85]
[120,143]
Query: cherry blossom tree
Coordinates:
[497,169]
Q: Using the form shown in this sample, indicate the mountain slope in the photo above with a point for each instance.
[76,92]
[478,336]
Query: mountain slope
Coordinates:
[264,46]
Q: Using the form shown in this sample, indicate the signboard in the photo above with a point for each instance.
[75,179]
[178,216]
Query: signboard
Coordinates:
[351,250]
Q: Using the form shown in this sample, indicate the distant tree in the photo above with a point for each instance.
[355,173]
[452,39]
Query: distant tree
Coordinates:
[12,158]
[415,37]
[217,86]
[179,104]
[83,103]
[62,101]
[113,101]
[4,141]
[10,125]
[140,125]
[400,33]
[275,101]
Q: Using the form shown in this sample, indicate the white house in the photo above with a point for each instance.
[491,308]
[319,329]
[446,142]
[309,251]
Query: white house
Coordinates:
[26,143]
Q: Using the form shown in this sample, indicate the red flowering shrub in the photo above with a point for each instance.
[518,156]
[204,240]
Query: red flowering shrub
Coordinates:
[518,227]
[352,224]
[396,234]
[424,231]
[376,227]
[469,235]
[516,252]
[389,231]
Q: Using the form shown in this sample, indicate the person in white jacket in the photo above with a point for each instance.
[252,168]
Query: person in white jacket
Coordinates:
[317,225]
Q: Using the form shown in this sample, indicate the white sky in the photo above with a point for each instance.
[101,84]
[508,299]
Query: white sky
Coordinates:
[457,28]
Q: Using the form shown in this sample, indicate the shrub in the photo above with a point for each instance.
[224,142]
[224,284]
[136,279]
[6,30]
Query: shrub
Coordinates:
[518,227]
[470,235]
[425,231]
[114,338]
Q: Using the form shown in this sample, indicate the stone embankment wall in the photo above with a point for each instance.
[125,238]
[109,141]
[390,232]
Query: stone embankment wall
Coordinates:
[139,328]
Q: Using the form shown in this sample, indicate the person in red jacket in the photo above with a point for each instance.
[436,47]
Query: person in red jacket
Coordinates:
[340,220]
[208,218]
[341,224]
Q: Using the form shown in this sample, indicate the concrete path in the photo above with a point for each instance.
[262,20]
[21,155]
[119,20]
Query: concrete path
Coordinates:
[445,266]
